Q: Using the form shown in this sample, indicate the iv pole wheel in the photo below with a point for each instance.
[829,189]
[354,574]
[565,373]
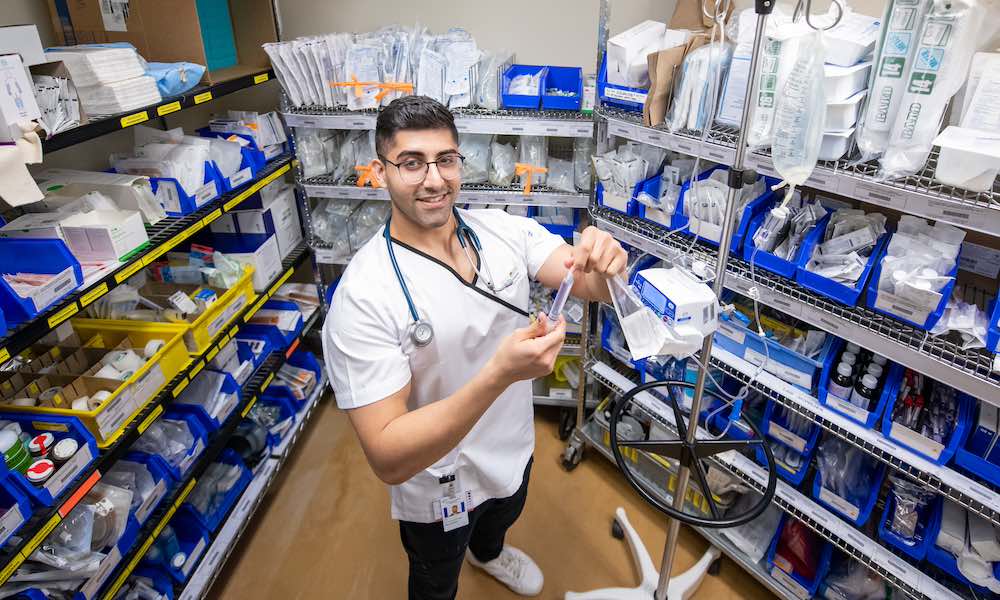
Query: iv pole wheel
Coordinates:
[616,530]
[690,454]
[567,422]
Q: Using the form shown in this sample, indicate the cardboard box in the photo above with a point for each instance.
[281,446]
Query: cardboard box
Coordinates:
[266,262]
[104,234]
[22,40]
[627,48]
[179,30]
[34,225]
[17,97]
[279,216]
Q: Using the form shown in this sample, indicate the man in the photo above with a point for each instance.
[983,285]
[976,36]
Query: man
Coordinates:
[431,353]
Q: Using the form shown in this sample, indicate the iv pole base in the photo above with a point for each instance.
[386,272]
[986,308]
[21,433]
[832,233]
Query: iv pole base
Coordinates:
[681,587]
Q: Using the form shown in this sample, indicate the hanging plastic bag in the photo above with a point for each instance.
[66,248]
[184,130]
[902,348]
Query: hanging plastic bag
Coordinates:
[561,175]
[940,67]
[583,148]
[535,152]
[800,112]
[475,147]
[501,164]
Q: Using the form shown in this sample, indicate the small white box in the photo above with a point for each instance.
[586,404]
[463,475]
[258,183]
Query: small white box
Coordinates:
[224,224]
[835,144]
[841,83]
[265,260]
[17,97]
[104,234]
[34,225]
[969,158]
[22,40]
[624,48]
[279,215]
[851,40]
[843,114]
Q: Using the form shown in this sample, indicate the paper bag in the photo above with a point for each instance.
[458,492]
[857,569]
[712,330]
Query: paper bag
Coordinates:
[664,67]
[688,15]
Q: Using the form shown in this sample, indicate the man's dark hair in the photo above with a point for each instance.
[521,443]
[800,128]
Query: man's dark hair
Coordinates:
[411,112]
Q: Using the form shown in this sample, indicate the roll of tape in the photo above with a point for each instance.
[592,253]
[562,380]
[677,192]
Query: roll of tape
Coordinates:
[82,403]
[124,375]
[102,395]
[40,470]
[93,403]
[52,396]
[41,444]
[108,372]
[64,450]
[111,357]
[24,402]
[152,347]
[128,361]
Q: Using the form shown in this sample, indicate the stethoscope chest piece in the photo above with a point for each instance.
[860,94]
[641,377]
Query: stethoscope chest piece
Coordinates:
[421,332]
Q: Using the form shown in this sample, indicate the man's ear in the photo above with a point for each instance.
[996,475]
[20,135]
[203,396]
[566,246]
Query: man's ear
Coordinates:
[378,170]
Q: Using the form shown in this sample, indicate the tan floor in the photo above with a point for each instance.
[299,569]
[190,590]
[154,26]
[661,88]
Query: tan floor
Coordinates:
[325,531]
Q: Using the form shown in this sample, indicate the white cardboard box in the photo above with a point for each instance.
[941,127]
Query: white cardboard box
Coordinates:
[266,262]
[130,192]
[279,217]
[22,40]
[17,97]
[34,225]
[104,234]
[624,48]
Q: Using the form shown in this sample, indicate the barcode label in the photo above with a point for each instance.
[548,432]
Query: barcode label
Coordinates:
[839,504]
[787,437]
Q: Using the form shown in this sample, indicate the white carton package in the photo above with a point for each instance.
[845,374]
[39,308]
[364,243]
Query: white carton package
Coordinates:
[851,40]
[266,262]
[224,224]
[130,192]
[969,158]
[624,48]
[22,40]
[835,144]
[983,538]
[279,216]
[841,83]
[17,97]
[104,235]
[843,114]
[34,225]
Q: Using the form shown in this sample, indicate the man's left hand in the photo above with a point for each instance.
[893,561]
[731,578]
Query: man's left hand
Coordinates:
[598,252]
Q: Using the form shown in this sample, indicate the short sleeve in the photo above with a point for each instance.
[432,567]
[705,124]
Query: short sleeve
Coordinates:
[363,355]
[539,242]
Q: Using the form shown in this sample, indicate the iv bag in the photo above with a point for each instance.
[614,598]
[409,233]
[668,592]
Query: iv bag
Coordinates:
[800,111]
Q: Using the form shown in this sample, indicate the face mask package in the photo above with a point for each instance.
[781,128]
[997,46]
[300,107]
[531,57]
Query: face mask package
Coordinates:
[475,148]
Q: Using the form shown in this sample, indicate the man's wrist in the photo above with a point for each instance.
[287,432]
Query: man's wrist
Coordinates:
[492,377]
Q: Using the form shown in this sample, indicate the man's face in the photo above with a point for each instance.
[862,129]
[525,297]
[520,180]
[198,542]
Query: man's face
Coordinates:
[428,203]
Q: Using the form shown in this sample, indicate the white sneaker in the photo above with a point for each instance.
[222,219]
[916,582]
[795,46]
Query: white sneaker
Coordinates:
[514,569]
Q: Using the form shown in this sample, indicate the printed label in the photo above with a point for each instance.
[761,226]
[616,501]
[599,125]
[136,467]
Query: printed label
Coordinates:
[777,369]
[54,289]
[240,177]
[10,521]
[787,582]
[90,589]
[732,332]
[114,414]
[203,97]
[627,95]
[187,460]
[822,180]
[166,109]
[205,193]
[226,408]
[900,306]
[259,79]
[114,14]
[192,558]
[561,393]
[142,513]
[787,437]
[147,385]
[69,470]
[839,504]
[620,129]
[93,294]
[916,441]
[63,314]
[980,260]
[948,211]
[653,137]
[139,117]
[847,408]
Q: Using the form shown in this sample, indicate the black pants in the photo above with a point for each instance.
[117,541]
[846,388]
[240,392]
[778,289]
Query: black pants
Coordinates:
[436,555]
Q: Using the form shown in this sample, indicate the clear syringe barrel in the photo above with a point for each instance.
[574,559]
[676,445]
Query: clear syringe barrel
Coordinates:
[562,294]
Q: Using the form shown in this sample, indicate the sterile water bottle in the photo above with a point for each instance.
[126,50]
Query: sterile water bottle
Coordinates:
[842,382]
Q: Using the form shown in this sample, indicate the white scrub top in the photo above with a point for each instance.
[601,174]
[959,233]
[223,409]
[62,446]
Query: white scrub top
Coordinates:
[369,354]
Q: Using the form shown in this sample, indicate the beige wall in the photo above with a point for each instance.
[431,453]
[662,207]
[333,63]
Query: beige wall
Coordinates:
[554,32]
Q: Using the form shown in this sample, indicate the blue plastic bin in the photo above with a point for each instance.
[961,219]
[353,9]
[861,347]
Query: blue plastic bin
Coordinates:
[229,386]
[806,588]
[199,430]
[509,100]
[992,331]
[945,560]
[15,505]
[794,476]
[756,206]
[563,78]
[67,473]
[162,481]
[563,231]
[972,462]
[855,413]
[853,513]
[762,259]
[936,453]
[193,541]
[254,346]
[287,407]
[918,549]
[187,201]
[42,256]
[280,339]
[775,429]
[158,577]
[618,96]
[932,318]
[211,521]
[839,292]
[254,159]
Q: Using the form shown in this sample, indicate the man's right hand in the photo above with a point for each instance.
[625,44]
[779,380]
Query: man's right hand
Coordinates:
[529,353]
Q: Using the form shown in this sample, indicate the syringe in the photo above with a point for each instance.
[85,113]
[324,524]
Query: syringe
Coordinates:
[562,294]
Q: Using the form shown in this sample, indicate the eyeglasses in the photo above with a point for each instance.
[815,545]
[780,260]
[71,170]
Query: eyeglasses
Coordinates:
[414,170]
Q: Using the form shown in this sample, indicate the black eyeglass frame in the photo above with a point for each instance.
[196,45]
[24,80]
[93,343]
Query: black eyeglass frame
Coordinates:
[427,165]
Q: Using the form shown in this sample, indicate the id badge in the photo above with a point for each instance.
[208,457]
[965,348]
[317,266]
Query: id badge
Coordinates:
[454,504]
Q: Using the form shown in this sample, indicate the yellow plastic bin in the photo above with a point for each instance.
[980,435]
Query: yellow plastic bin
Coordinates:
[220,314]
[108,421]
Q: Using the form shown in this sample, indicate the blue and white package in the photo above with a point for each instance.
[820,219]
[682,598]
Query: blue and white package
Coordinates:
[173,79]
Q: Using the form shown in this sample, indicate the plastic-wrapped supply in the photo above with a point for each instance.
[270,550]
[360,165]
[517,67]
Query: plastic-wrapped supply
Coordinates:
[620,170]
[111,509]
[919,260]
[849,239]
[337,45]
[363,64]
[475,147]
[783,232]
[966,321]
[561,175]
[910,502]
[366,220]
[168,438]
[462,55]
[210,491]
[708,198]
[583,148]
[846,471]
[699,83]
[800,111]
[283,72]
[947,42]
[502,163]
[131,476]
[754,537]
[310,151]
[431,76]
[535,152]
[330,224]
[850,580]
[488,80]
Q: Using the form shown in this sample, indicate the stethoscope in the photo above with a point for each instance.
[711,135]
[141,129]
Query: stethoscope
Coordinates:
[421,331]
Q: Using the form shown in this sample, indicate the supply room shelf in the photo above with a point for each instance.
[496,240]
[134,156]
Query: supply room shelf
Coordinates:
[558,123]
[964,491]
[325,187]
[163,237]
[256,385]
[105,124]
[33,533]
[896,571]
[596,432]
[919,194]
[970,371]
[245,508]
